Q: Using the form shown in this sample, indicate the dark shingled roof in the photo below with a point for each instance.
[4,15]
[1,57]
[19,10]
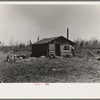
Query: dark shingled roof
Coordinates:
[48,40]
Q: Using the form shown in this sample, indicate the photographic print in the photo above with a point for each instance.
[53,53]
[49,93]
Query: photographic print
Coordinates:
[49,43]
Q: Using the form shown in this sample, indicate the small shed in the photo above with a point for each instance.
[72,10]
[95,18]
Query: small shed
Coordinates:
[59,46]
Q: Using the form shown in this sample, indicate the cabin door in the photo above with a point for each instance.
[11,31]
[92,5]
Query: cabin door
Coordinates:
[57,49]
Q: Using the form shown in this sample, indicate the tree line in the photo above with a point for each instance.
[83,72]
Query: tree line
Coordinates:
[87,44]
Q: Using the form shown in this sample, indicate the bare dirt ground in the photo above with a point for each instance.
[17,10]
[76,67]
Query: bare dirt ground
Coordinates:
[84,68]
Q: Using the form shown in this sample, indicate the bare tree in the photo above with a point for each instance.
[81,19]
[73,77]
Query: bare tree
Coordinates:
[38,39]
[11,42]
[87,44]
[16,43]
[2,44]
[30,43]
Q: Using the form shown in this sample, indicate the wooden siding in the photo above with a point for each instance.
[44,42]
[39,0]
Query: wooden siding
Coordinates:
[52,48]
[65,52]
[59,41]
[62,51]
[39,50]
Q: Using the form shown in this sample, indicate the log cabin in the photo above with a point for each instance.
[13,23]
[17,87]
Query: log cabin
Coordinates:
[59,46]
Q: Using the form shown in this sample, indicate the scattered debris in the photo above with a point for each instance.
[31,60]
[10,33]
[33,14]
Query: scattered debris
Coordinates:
[42,56]
[90,54]
[58,57]
[98,52]
[51,56]
[80,56]
[56,69]
[13,57]
[10,58]
[68,55]
[98,58]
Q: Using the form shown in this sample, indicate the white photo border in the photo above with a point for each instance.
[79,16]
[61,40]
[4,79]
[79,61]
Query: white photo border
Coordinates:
[52,90]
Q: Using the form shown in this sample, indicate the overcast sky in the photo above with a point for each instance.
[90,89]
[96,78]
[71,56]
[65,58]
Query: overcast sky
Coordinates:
[27,22]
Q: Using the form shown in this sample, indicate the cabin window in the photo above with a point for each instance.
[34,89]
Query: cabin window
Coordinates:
[66,47]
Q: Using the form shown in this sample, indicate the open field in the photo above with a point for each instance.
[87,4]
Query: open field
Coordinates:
[85,67]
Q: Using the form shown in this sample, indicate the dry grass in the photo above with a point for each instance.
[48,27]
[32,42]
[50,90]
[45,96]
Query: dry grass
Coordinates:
[85,67]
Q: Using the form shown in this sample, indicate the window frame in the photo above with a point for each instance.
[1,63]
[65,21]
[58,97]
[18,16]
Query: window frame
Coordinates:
[66,47]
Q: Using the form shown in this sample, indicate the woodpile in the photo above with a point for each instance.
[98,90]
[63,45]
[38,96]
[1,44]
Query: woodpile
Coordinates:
[13,57]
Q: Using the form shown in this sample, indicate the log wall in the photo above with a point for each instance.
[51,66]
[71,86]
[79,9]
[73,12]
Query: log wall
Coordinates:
[52,48]
[65,52]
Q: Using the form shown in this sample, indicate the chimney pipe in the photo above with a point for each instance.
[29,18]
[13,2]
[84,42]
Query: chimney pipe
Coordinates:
[67,33]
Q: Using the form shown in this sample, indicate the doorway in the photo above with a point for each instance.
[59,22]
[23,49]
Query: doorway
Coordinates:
[57,49]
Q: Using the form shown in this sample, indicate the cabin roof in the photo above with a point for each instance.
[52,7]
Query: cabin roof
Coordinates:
[48,40]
